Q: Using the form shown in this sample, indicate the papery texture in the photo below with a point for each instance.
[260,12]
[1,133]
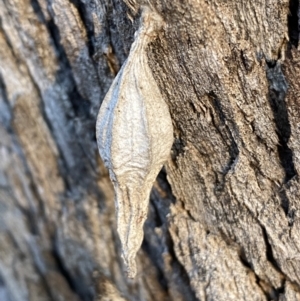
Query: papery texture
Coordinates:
[135,135]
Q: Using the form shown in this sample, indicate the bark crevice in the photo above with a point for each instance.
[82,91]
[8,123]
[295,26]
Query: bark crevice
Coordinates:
[76,285]
[88,24]
[277,93]
[293,22]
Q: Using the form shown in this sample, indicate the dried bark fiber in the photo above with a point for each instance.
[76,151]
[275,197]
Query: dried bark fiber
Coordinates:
[224,223]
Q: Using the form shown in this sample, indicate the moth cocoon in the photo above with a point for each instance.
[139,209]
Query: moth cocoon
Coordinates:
[135,135]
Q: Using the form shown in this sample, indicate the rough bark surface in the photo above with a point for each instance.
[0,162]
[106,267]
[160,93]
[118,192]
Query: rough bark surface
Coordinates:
[224,221]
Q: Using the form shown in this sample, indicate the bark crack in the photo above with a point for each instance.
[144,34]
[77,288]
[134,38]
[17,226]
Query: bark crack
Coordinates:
[159,219]
[270,292]
[76,285]
[89,28]
[293,22]
[227,134]
[177,265]
[277,93]
[272,260]
[80,106]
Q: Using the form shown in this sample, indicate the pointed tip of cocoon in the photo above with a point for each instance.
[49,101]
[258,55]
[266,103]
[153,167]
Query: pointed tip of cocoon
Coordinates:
[130,264]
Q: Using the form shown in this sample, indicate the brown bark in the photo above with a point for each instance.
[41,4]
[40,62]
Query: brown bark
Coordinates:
[223,221]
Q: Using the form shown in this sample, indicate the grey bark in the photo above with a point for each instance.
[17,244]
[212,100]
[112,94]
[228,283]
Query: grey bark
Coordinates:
[224,220]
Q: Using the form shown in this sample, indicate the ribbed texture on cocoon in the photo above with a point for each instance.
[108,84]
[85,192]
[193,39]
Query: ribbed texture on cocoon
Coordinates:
[134,135]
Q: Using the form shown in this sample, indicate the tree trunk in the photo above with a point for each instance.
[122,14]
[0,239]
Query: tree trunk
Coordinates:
[224,219]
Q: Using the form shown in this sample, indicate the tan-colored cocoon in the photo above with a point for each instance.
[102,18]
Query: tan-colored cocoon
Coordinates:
[135,135]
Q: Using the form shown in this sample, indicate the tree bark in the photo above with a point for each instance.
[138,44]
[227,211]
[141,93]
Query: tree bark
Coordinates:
[224,221]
